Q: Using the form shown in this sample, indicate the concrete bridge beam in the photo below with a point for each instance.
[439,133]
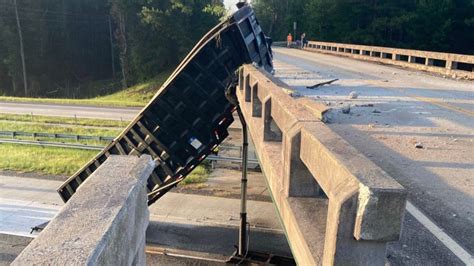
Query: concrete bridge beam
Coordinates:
[336,206]
[104,223]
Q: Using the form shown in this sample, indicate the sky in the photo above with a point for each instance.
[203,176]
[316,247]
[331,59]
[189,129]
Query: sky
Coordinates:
[231,3]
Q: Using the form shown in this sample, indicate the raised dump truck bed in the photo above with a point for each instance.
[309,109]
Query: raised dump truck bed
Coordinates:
[189,116]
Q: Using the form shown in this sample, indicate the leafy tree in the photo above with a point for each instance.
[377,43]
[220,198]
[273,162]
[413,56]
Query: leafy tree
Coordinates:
[438,25]
[68,47]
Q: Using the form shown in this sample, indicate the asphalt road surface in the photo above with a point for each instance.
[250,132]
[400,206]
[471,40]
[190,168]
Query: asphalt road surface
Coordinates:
[417,127]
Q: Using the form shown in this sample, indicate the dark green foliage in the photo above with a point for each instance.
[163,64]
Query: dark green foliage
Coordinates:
[436,25]
[67,43]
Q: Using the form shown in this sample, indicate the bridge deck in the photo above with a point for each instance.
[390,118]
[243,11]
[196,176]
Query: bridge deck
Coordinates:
[395,110]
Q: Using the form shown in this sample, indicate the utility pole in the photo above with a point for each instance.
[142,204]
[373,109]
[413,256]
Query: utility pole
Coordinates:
[111,47]
[294,30]
[22,53]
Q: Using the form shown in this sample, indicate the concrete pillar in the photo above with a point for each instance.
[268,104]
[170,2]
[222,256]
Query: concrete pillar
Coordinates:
[298,180]
[452,65]
[256,103]
[271,132]
[247,87]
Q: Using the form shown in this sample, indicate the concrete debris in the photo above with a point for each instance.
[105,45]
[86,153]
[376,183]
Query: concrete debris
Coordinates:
[292,93]
[365,105]
[346,109]
[322,84]
[419,145]
[353,95]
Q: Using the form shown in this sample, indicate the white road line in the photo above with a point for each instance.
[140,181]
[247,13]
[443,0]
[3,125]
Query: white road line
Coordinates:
[17,217]
[450,243]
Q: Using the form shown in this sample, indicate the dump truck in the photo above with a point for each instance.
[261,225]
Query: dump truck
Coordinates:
[190,114]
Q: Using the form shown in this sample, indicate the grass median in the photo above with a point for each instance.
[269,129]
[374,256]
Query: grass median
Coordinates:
[51,160]
[44,160]
[52,125]
[199,175]
[63,161]
[59,129]
[135,96]
[56,120]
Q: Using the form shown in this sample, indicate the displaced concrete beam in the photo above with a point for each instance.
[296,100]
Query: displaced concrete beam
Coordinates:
[336,206]
[104,223]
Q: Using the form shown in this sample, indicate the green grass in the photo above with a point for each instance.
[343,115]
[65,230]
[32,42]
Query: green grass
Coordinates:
[50,160]
[62,120]
[61,161]
[200,174]
[135,96]
[138,95]
[45,160]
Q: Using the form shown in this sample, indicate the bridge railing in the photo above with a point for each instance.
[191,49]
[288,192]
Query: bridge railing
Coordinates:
[453,65]
[103,224]
[337,207]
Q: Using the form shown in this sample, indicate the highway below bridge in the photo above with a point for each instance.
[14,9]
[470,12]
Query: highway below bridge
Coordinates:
[416,126]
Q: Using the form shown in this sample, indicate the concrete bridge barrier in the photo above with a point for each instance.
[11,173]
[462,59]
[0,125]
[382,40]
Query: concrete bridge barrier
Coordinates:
[103,224]
[453,65]
[336,206]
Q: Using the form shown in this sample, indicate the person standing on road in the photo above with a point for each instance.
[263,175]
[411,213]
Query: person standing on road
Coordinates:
[289,40]
[304,42]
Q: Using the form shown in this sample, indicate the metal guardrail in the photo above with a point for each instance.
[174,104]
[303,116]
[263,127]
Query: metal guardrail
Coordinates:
[14,134]
[99,148]
[52,144]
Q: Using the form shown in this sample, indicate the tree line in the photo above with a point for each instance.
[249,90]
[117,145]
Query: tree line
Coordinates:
[57,48]
[435,25]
